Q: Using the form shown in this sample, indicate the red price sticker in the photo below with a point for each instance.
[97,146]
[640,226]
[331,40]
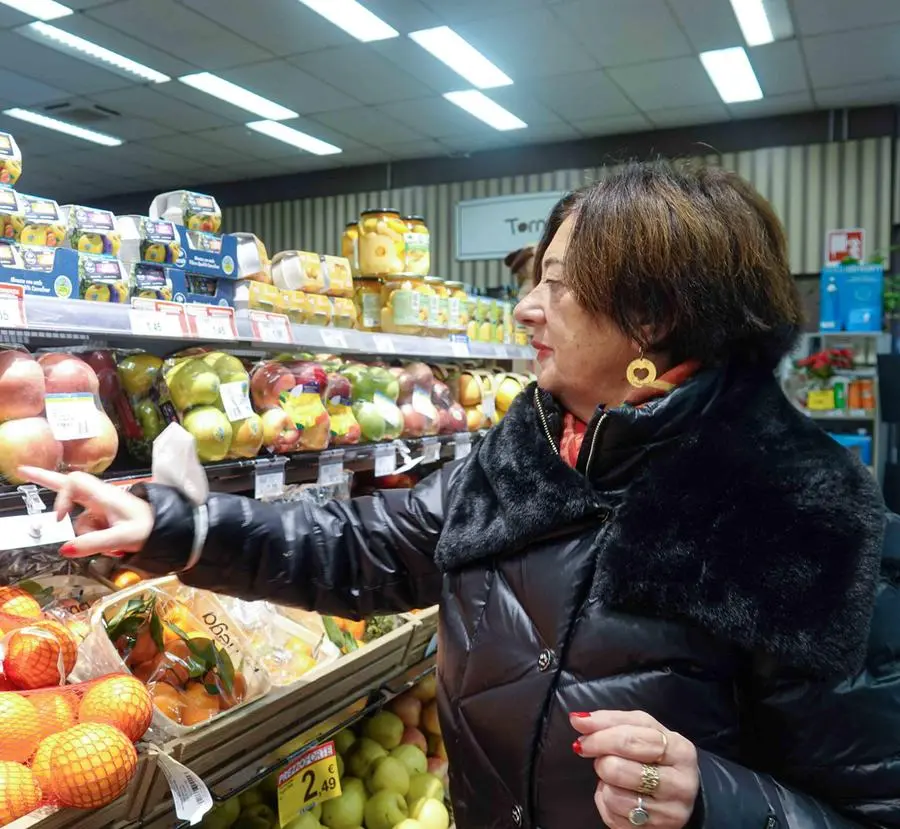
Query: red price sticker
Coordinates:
[212,322]
[156,318]
[271,328]
[311,778]
[12,306]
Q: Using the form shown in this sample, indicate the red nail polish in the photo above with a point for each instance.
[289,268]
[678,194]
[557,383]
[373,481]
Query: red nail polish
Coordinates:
[581,715]
[576,747]
[116,554]
[67,549]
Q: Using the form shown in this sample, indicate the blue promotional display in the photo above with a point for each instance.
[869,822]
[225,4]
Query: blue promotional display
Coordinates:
[851,298]
[860,445]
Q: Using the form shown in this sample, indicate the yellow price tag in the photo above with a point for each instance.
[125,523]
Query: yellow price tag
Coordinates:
[819,400]
[311,778]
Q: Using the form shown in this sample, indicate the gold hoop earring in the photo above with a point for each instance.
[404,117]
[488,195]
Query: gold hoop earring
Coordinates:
[646,368]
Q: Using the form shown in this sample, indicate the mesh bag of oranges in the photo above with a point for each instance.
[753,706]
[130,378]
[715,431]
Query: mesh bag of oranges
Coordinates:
[71,745]
[190,655]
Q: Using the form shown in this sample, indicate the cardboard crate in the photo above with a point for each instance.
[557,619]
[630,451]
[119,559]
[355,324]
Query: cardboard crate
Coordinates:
[425,625]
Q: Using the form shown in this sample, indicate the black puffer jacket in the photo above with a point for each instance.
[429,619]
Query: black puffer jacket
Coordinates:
[715,560]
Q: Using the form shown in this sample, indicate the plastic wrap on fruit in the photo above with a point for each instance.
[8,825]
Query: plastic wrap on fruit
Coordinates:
[420,415]
[90,230]
[10,160]
[345,431]
[12,215]
[196,211]
[141,421]
[303,404]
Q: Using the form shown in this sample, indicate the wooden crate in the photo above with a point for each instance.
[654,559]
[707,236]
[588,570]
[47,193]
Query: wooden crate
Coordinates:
[425,625]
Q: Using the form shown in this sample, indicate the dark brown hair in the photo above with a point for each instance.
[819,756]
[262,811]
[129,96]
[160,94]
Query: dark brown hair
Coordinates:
[692,254]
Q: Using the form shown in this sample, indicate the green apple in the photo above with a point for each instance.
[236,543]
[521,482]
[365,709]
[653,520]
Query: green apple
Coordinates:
[340,766]
[371,423]
[192,383]
[222,815]
[212,431]
[412,757]
[385,810]
[250,798]
[388,774]
[346,811]
[149,418]
[269,787]
[384,728]
[409,823]
[425,786]
[343,740]
[432,814]
[228,367]
[305,820]
[361,755]
[259,816]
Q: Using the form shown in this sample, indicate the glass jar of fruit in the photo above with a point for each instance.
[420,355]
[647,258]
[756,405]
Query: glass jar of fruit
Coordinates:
[401,304]
[367,298]
[438,310]
[349,241]
[344,314]
[381,247]
[472,307]
[457,308]
[418,246]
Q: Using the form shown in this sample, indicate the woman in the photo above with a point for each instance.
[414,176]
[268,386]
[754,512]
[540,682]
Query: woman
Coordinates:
[521,265]
[653,555]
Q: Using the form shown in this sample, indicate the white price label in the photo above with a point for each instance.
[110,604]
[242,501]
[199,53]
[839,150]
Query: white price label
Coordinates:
[271,328]
[385,461]
[213,323]
[268,482]
[384,344]
[331,471]
[12,307]
[31,530]
[72,416]
[236,400]
[462,446]
[487,405]
[147,323]
[460,349]
[189,793]
[431,450]
[333,339]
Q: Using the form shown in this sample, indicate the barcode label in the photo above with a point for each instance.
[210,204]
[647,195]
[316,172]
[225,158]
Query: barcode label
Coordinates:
[385,461]
[236,400]
[462,446]
[72,416]
[431,451]
[189,793]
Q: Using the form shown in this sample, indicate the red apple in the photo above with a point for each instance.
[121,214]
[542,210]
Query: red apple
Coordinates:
[267,382]
[458,419]
[405,381]
[422,375]
[280,434]
[440,769]
[93,455]
[440,395]
[27,441]
[414,737]
[104,365]
[408,708]
[414,422]
[338,386]
[68,374]
[310,374]
[22,386]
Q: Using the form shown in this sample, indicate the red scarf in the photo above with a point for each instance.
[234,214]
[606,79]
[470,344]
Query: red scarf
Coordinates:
[574,429]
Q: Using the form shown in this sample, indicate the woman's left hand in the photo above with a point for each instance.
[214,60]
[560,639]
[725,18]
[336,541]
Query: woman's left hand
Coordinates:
[633,754]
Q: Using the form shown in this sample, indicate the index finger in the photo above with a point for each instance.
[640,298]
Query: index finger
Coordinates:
[44,477]
[599,720]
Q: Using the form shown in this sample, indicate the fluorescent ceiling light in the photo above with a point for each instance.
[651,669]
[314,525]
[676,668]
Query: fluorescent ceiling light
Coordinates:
[478,104]
[295,138]
[86,50]
[753,20]
[731,73]
[41,9]
[63,126]
[237,95]
[354,18]
[463,58]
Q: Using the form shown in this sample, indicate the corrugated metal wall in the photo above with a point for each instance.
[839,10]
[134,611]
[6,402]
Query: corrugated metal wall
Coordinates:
[813,188]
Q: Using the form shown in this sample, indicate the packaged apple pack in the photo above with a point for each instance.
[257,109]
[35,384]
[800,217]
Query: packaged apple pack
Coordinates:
[288,393]
[10,160]
[345,431]
[374,393]
[181,644]
[451,415]
[420,415]
[91,230]
[131,399]
[50,415]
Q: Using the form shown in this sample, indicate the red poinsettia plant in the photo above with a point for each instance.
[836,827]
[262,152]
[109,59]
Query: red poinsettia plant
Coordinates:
[823,365]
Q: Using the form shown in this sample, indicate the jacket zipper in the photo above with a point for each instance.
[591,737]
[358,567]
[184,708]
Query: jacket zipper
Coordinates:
[543,417]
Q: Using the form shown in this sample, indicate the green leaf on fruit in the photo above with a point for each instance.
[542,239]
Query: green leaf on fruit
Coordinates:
[224,668]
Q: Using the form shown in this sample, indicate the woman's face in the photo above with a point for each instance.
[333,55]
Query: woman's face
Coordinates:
[582,357]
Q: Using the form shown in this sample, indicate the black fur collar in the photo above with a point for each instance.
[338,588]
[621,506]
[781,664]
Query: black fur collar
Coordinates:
[731,510]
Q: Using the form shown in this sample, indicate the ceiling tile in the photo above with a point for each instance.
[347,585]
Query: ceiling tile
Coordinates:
[666,84]
[465,11]
[26,92]
[134,129]
[687,116]
[818,16]
[412,59]
[475,143]
[779,67]
[170,27]
[612,126]
[282,27]
[423,148]
[368,125]
[621,32]
[865,55]
[582,96]
[708,24]
[773,105]
[406,15]
[883,92]
[202,101]
[150,102]
[108,162]
[200,146]
[252,146]
[528,45]
[144,154]
[524,105]
[362,73]
[290,86]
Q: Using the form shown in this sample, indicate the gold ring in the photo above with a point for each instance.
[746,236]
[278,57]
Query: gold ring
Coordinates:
[665,748]
[650,778]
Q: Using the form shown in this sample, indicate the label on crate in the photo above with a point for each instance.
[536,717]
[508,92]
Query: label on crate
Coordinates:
[268,481]
[189,793]
[12,306]
[331,469]
[462,445]
[310,779]
[236,400]
[72,416]
[212,322]
[431,450]
[385,460]
[271,328]
[487,405]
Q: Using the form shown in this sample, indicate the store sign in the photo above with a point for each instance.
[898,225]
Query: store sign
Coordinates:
[491,228]
[844,244]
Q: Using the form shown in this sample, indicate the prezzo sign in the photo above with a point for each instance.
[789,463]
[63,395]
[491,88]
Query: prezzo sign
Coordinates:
[491,228]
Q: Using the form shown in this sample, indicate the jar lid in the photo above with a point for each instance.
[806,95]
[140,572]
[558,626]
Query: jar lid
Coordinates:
[433,280]
[351,224]
[454,284]
[415,219]
[372,211]
[402,277]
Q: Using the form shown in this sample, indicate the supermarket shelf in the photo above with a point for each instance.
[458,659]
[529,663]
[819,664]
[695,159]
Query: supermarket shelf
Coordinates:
[77,322]
[837,414]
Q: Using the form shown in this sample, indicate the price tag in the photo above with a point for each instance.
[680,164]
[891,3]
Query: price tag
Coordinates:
[12,307]
[72,416]
[487,405]
[20,531]
[431,450]
[189,793]
[268,481]
[312,778]
[333,339]
[150,318]
[331,469]
[462,445]
[271,328]
[460,349]
[384,344]
[236,400]
[385,460]
[212,322]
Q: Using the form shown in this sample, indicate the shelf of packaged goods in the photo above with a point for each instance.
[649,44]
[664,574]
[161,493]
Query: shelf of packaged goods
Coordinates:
[239,476]
[841,414]
[80,323]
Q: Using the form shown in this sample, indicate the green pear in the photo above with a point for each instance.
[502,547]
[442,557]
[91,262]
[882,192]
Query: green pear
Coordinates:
[385,810]
[361,755]
[412,757]
[388,774]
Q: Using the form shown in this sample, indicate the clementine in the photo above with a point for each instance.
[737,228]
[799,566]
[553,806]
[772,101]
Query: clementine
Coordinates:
[20,725]
[121,701]
[15,601]
[40,655]
[20,793]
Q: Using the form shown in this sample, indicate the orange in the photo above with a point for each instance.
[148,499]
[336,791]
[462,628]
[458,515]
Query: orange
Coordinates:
[125,578]
[197,696]
[20,727]
[5,684]
[196,715]
[228,699]
[40,765]
[91,765]
[56,709]
[40,655]
[168,701]
[15,601]
[120,701]
[20,793]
